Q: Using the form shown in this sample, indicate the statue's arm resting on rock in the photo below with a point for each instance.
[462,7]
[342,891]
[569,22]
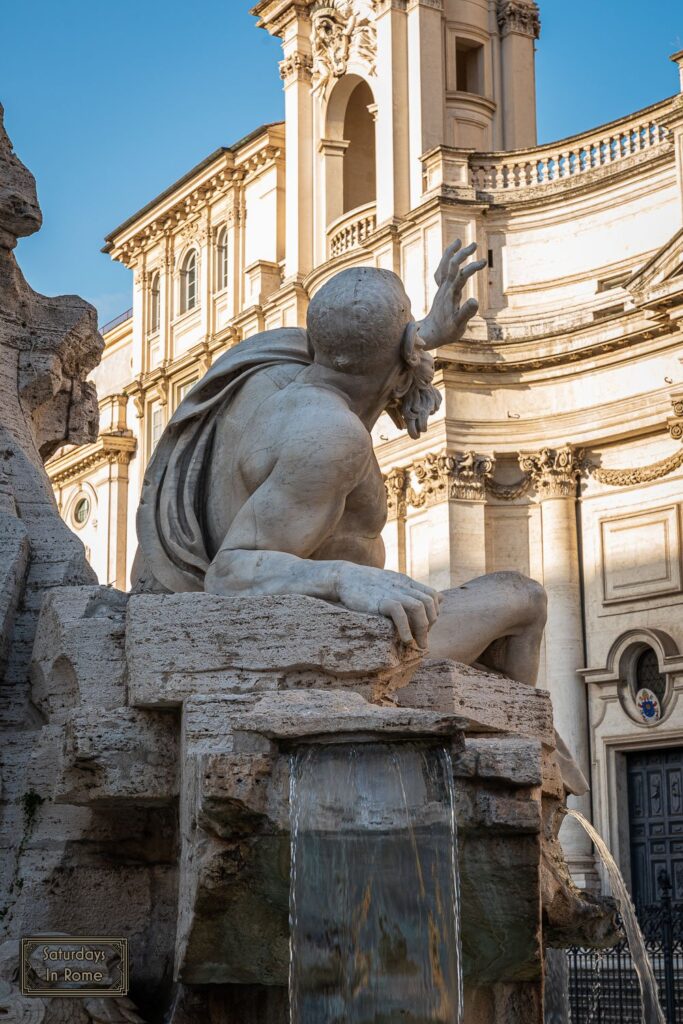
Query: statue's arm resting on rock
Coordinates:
[270,542]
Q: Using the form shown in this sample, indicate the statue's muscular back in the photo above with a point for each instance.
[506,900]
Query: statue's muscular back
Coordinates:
[265,447]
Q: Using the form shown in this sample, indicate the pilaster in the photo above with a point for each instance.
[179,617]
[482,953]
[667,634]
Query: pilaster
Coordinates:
[295,71]
[426,84]
[393,103]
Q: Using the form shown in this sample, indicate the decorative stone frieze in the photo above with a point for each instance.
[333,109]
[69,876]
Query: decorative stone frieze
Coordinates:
[341,30]
[636,474]
[519,16]
[298,67]
[553,471]
[395,483]
[448,475]
[509,492]
[435,5]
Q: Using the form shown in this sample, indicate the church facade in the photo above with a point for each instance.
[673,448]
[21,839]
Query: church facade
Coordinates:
[558,449]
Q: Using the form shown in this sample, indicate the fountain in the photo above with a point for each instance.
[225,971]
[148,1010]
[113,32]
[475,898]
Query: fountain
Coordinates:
[151,751]
[374,894]
[649,996]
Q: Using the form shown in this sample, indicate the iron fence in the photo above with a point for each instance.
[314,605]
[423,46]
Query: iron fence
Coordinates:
[603,986]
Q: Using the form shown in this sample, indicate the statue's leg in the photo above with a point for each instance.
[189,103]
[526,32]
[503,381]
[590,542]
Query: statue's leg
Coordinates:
[497,620]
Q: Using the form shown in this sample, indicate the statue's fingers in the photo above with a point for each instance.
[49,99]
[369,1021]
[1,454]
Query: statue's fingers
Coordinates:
[465,314]
[442,269]
[430,605]
[459,258]
[467,272]
[394,610]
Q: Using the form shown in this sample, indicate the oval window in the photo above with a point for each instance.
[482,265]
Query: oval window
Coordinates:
[81,511]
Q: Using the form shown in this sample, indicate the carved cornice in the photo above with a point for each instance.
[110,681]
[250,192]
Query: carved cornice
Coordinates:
[113,448]
[298,67]
[519,16]
[190,208]
[553,471]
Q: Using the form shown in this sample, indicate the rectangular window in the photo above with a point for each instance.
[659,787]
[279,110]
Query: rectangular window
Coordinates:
[184,388]
[156,424]
[469,67]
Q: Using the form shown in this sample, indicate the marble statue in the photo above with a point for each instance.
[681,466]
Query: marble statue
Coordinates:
[265,480]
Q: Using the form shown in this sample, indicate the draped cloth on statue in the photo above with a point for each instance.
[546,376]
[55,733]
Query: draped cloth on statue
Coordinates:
[170,519]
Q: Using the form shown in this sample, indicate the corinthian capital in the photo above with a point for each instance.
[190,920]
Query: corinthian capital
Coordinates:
[519,16]
[297,67]
[553,471]
[468,476]
[449,475]
[395,483]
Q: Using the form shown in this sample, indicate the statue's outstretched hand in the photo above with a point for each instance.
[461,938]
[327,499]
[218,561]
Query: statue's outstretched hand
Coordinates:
[447,319]
[412,607]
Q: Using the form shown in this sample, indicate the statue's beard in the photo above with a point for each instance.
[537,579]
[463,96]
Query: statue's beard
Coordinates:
[415,398]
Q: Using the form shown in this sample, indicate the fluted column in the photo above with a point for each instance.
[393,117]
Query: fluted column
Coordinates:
[554,473]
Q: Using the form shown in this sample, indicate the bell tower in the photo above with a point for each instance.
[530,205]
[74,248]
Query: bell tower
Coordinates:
[371,86]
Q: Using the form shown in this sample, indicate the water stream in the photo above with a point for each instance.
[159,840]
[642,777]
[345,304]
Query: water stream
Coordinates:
[374,899]
[651,1010]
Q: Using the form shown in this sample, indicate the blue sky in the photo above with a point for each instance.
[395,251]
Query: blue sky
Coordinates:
[109,101]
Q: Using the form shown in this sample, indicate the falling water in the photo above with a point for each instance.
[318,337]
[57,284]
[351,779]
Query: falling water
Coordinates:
[374,900]
[652,1013]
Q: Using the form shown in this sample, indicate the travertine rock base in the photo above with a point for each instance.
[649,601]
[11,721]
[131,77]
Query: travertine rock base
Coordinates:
[170,720]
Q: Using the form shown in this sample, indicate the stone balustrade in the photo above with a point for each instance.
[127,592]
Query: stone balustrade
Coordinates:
[351,230]
[543,165]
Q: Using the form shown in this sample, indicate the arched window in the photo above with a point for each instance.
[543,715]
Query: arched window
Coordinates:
[154,303]
[222,259]
[359,159]
[188,282]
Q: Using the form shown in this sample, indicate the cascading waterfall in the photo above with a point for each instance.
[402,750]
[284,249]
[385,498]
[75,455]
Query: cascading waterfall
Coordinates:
[651,1010]
[374,897]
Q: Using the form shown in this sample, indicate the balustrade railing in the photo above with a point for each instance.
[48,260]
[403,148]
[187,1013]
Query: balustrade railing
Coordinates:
[351,230]
[569,158]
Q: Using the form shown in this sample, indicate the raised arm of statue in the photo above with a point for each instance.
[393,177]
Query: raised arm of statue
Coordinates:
[447,319]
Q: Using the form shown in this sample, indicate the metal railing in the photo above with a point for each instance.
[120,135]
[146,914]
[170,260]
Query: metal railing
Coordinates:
[603,986]
[120,319]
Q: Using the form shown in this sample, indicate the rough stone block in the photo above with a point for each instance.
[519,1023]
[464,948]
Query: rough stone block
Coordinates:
[180,645]
[15,548]
[490,702]
[78,656]
[122,756]
[513,760]
[306,714]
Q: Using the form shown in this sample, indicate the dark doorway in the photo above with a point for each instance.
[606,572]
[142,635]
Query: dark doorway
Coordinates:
[655,802]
